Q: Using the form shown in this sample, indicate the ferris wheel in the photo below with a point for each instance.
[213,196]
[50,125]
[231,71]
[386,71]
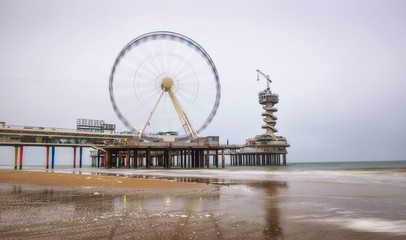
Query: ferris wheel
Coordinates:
[164,82]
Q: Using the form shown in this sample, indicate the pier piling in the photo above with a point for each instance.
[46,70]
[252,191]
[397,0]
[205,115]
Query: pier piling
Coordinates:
[21,157]
[80,156]
[74,157]
[15,157]
[53,157]
[47,163]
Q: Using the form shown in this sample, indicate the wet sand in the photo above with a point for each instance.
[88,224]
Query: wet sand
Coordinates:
[78,180]
[77,207]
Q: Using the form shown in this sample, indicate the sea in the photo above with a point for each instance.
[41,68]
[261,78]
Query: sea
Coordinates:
[368,172]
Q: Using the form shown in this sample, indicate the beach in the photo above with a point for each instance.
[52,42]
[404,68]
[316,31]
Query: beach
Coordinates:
[97,181]
[207,204]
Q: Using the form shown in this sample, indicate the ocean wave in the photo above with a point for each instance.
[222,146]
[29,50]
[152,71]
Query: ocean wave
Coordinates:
[397,227]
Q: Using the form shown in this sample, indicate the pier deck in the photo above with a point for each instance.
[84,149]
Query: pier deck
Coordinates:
[127,150]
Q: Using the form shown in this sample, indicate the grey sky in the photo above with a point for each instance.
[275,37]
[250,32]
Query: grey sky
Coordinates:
[338,66]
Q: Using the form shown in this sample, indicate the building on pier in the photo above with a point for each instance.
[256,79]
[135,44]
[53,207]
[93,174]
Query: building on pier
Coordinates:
[200,153]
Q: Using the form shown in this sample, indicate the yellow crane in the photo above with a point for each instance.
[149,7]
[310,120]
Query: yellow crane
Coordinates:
[268,80]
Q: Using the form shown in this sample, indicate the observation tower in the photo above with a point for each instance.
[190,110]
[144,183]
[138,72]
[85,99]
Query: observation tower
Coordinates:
[265,149]
[268,99]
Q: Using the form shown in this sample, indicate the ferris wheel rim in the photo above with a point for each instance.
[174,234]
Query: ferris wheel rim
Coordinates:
[166,35]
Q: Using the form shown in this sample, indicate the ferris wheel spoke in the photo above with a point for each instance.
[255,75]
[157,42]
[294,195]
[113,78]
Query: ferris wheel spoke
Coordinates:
[173,65]
[145,72]
[147,100]
[187,126]
[186,93]
[150,116]
[157,65]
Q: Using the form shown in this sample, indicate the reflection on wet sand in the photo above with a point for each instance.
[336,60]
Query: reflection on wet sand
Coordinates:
[229,209]
[239,210]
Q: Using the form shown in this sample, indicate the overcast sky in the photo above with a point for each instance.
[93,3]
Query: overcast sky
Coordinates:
[338,67]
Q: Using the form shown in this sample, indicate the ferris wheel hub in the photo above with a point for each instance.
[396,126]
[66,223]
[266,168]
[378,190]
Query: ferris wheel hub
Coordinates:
[167,83]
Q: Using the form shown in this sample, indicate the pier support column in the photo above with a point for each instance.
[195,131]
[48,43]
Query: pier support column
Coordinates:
[196,159]
[15,157]
[181,158]
[164,157]
[127,159]
[47,157]
[21,157]
[193,153]
[120,159]
[140,159]
[201,157]
[98,158]
[284,159]
[53,157]
[188,158]
[136,158]
[223,159]
[207,158]
[74,157]
[106,154]
[148,158]
[217,158]
[170,158]
[80,156]
[185,158]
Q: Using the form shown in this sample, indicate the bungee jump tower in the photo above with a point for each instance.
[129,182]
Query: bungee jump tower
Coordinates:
[265,149]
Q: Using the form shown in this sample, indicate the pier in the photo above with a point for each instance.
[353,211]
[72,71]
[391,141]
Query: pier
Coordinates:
[121,150]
